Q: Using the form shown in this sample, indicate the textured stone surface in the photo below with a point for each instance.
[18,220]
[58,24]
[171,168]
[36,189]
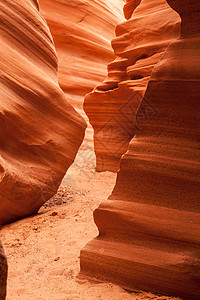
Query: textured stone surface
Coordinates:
[3,273]
[82,31]
[112,106]
[149,228]
[40,131]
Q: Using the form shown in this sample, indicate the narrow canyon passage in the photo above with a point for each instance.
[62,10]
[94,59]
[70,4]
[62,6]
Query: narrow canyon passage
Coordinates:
[43,251]
[132,231]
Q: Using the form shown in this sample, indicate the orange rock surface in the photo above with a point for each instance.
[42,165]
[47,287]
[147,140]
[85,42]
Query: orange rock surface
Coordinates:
[112,106]
[3,273]
[149,228]
[82,31]
[40,131]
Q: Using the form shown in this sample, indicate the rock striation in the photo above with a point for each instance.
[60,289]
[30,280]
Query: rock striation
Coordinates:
[40,132]
[82,31]
[112,106]
[3,273]
[149,228]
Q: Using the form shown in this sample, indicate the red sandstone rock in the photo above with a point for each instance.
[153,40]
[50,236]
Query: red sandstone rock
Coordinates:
[149,228]
[3,273]
[40,132]
[112,106]
[82,31]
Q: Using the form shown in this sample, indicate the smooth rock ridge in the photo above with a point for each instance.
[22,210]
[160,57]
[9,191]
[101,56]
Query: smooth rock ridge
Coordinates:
[149,228]
[111,107]
[82,31]
[40,131]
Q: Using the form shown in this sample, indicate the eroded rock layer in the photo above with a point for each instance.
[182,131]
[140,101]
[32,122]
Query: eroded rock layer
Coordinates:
[82,31]
[149,228]
[40,132]
[3,273]
[112,106]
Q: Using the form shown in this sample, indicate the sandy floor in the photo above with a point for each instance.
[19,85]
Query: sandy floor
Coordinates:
[43,251]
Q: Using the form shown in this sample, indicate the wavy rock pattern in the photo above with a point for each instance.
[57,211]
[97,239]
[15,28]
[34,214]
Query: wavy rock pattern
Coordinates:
[82,31]
[112,106]
[3,273]
[150,226]
[40,131]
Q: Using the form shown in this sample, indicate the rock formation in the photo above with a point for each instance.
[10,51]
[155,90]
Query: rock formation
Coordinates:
[82,31]
[3,273]
[112,106]
[40,131]
[149,228]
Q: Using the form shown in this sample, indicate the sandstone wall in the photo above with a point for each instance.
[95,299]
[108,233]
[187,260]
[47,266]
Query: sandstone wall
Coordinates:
[149,228]
[112,105]
[3,273]
[40,132]
[82,31]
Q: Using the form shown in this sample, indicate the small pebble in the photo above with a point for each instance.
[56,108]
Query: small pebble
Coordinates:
[57,258]
[53,214]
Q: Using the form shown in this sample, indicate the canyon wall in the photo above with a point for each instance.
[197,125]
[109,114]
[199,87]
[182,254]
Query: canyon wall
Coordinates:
[40,132]
[82,31]
[111,107]
[3,273]
[149,228]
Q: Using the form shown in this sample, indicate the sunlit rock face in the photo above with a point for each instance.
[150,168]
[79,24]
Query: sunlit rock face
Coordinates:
[3,273]
[82,31]
[40,132]
[139,45]
[149,228]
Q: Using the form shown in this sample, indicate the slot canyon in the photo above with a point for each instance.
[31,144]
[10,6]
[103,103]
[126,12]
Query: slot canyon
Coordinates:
[99,150]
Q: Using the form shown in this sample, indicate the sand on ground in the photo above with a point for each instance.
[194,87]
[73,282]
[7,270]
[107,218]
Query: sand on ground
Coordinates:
[43,250]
